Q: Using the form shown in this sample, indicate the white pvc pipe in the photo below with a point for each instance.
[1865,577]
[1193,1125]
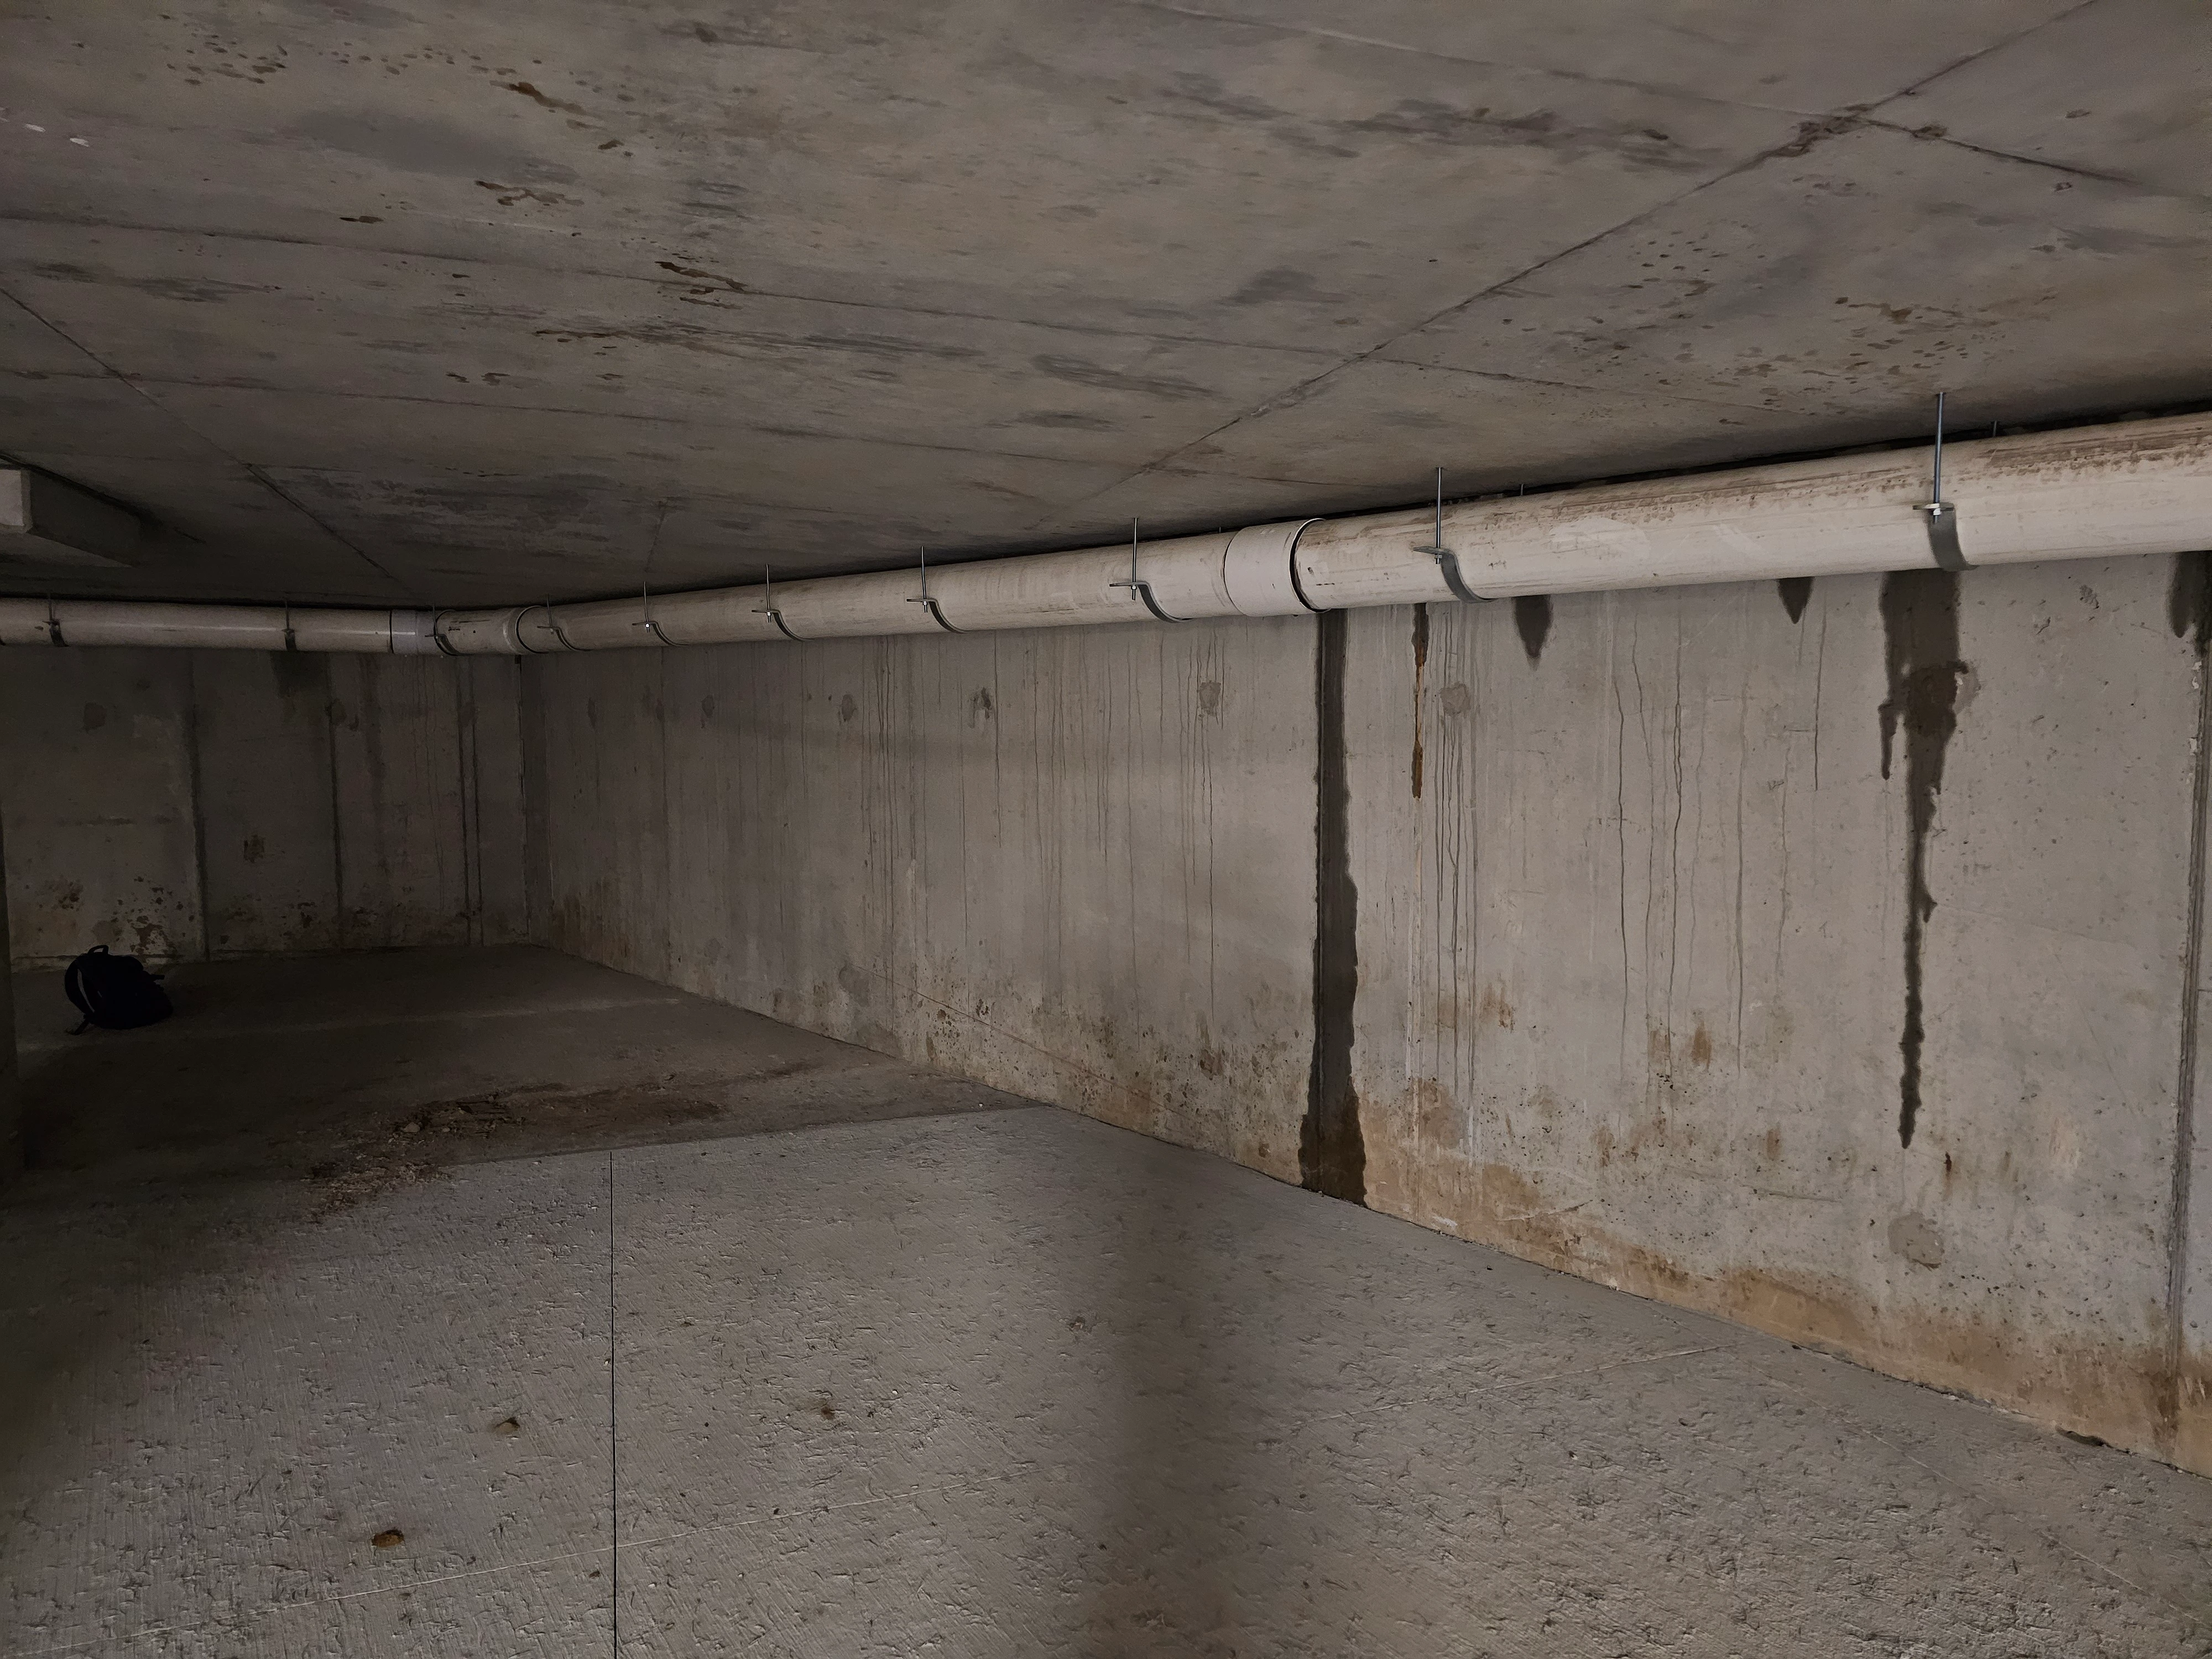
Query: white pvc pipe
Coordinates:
[235,627]
[2143,487]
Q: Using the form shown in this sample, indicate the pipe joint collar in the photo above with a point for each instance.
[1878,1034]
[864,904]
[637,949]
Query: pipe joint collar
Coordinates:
[415,633]
[1258,573]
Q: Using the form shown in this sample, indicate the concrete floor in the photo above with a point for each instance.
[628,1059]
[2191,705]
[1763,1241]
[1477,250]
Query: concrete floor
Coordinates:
[326,1260]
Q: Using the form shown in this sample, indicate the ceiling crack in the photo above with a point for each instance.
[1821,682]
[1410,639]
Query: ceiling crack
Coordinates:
[139,391]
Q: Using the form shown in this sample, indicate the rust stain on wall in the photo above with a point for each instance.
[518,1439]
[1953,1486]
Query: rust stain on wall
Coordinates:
[2191,1411]
[2123,1392]
[1435,1114]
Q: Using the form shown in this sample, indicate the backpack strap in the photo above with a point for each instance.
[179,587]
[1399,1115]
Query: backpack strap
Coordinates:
[73,982]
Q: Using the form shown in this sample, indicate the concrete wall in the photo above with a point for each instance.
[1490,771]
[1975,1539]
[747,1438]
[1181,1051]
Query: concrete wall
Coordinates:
[1056,861]
[1638,960]
[187,804]
[1584,928]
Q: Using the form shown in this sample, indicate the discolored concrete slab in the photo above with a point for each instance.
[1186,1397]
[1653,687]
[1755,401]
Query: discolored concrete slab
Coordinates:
[470,307]
[359,1072]
[1784,289]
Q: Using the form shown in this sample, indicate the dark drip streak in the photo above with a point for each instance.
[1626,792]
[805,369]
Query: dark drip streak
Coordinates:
[2189,599]
[2189,612]
[1420,668]
[1532,619]
[1920,624]
[1332,1157]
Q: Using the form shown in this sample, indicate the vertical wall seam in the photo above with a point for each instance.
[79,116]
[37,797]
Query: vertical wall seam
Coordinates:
[2185,1094]
[465,724]
[198,805]
[667,896]
[536,842]
[337,828]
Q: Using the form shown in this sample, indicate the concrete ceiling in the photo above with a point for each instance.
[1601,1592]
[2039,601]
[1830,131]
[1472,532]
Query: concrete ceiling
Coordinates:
[397,301]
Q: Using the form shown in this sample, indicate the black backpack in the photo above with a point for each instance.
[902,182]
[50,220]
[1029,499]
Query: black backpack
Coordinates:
[114,992]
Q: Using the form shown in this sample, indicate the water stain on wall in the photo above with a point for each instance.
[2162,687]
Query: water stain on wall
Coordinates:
[1920,626]
[1332,1156]
[2189,599]
[1532,619]
[1914,1237]
[1420,672]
